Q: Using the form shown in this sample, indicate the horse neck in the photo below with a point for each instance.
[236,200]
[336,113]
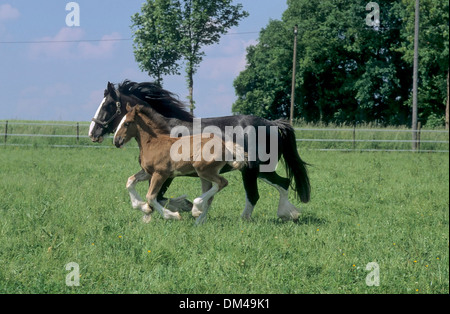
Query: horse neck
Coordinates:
[148,130]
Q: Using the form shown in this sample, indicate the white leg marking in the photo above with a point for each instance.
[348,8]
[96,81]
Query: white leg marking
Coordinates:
[286,210]
[201,204]
[136,200]
[167,214]
[91,127]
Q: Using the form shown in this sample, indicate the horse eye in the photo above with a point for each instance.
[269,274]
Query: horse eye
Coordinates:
[126,124]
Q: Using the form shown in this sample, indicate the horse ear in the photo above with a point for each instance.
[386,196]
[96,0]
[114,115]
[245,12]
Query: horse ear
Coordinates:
[129,107]
[111,90]
[139,108]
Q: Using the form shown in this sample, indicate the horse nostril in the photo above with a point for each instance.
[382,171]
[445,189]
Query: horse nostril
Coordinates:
[118,141]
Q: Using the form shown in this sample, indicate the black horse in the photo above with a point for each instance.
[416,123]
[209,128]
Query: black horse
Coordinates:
[113,109]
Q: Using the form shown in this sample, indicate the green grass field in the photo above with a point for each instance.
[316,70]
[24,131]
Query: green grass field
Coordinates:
[60,206]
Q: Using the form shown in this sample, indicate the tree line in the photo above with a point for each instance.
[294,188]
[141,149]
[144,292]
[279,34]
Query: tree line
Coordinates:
[348,70]
[355,64]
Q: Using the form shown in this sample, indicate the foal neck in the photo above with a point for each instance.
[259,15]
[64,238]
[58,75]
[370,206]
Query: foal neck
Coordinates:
[150,129]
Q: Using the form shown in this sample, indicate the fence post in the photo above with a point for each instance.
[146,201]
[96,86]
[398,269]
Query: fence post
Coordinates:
[78,133]
[419,127]
[6,131]
[354,136]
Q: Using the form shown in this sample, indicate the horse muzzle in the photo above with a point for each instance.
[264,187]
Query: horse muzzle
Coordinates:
[118,141]
[97,139]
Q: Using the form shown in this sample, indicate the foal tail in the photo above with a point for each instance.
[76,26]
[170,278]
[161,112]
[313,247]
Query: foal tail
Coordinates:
[240,157]
[295,166]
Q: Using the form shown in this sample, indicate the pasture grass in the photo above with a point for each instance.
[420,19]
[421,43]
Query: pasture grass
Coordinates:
[70,205]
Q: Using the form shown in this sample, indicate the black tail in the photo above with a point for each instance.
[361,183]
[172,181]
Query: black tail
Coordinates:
[295,166]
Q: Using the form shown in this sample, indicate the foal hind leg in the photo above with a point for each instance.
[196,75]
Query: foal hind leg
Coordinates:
[136,200]
[202,203]
[286,210]
[206,186]
[155,185]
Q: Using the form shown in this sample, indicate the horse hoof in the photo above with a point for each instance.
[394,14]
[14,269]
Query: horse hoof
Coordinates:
[172,216]
[246,217]
[146,209]
[196,212]
[200,220]
[147,218]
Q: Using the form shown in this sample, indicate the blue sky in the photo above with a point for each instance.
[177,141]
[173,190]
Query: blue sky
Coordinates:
[65,81]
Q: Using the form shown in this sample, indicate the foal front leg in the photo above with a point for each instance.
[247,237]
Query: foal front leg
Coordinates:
[155,185]
[136,200]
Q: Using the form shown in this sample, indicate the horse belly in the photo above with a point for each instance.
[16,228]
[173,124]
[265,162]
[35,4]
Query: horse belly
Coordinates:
[184,170]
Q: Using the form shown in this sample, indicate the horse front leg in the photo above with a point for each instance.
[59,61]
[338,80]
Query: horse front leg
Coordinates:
[136,200]
[286,210]
[152,197]
[250,180]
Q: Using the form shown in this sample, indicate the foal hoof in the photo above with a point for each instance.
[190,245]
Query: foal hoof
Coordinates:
[172,216]
[197,208]
[146,209]
[147,218]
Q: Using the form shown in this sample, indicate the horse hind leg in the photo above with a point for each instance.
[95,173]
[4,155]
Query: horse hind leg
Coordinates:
[286,210]
[197,208]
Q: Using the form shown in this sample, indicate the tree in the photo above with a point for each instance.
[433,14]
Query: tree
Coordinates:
[183,27]
[347,70]
[433,56]
[263,88]
[156,39]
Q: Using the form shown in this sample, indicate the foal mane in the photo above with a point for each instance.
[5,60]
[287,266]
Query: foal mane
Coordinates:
[154,96]
[156,121]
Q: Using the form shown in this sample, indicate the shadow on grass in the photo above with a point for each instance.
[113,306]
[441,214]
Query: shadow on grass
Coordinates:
[306,218]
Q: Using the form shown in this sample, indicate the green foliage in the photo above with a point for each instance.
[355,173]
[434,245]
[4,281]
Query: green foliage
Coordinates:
[169,31]
[156,39]
[433,54]
[347,71]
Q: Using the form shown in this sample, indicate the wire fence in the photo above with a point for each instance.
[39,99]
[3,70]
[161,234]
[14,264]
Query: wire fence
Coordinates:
[75,135]
[373,139]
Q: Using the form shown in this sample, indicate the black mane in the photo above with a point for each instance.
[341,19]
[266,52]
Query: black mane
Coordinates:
[161,100]
[155,118]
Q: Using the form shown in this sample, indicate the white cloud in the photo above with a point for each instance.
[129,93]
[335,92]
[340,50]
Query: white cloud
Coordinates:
[103,48]
[69,45]
[7,12]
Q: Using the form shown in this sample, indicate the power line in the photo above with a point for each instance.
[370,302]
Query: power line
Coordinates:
[64,41]
[91,40]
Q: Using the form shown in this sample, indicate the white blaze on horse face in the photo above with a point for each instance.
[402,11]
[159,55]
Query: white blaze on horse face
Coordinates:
[119,127]
[91,127]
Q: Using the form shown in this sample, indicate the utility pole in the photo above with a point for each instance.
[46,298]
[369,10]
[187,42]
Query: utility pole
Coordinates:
[294,72]
[415,75]
[447,109]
